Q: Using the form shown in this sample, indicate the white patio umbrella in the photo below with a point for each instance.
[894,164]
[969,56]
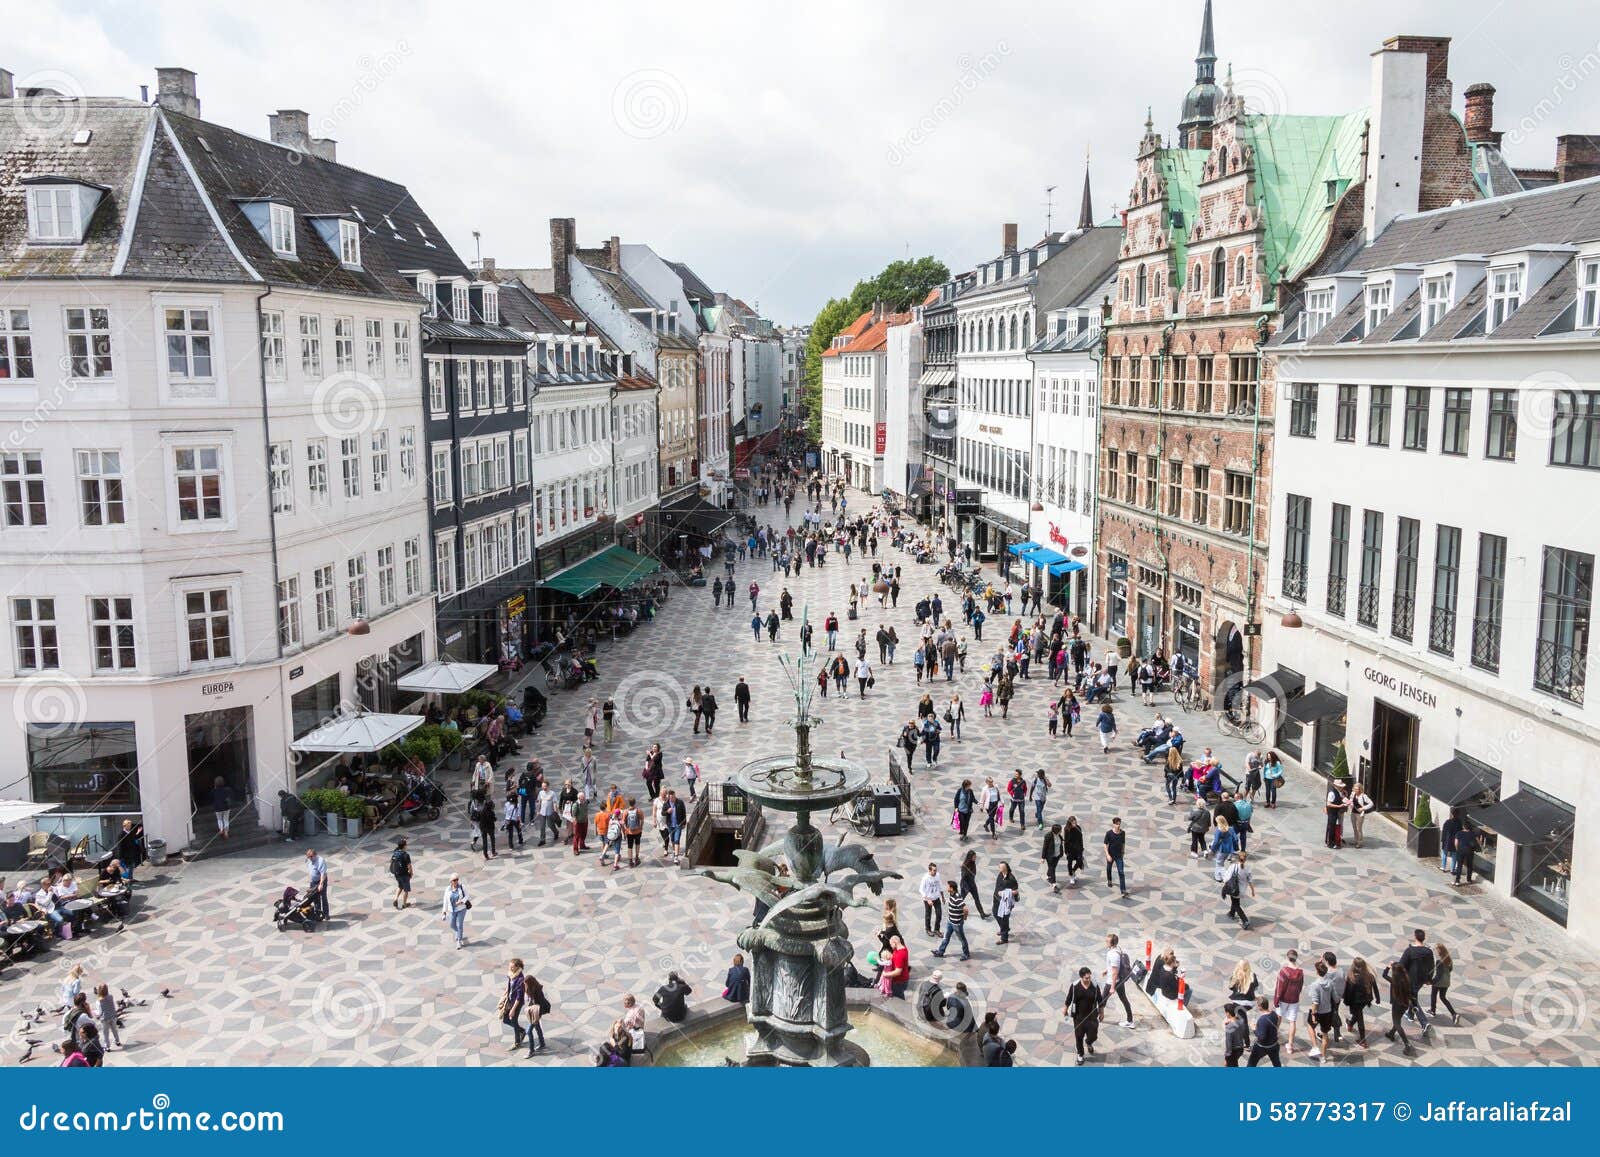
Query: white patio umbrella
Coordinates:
[443,677]
[364,732]
[14,811]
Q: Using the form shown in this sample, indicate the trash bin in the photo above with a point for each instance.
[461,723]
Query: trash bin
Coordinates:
[157,851]
[886,811]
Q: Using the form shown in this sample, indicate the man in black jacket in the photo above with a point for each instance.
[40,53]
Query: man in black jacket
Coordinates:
[741,699]
[1083,1009]
[1417,960]
[708,709]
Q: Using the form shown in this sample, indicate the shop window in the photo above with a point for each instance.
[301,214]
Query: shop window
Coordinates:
[84,767]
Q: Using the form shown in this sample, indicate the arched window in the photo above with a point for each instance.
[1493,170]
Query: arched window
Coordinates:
[989,341]
[1027,329]
[1013,331]
[1142,294]
[1194,284]
[1238,270]
[1219,272]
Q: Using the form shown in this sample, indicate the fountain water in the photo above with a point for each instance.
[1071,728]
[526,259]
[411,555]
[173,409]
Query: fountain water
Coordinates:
[801,946]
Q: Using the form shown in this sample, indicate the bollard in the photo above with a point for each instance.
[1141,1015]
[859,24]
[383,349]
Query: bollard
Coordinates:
[1183,988]
[1148,947]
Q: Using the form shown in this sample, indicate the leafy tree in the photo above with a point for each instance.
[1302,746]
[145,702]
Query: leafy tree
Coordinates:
[899,286]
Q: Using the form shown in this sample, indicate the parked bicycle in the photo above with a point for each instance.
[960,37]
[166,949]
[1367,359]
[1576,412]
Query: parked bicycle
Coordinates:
[855,811]
[1231,722]
[1186,692]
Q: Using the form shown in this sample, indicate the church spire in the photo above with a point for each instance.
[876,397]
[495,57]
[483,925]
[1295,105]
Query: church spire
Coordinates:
[1200,106]
[1205,64]
[1086,212]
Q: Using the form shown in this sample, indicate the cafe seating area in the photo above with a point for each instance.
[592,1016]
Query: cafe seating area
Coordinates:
[80,905]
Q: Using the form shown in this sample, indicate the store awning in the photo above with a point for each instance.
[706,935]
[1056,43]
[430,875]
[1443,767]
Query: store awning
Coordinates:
[14,811]
[1023,547]
[1320,703]
[616,567]
[574,581]
[1281,684]
[352,734]
[1044,556]
[940,377]
[921,486]
[1458,781]
[1057,569]
[1525,818]
[442,677]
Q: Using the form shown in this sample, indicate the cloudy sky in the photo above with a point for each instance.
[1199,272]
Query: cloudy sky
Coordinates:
[782,149]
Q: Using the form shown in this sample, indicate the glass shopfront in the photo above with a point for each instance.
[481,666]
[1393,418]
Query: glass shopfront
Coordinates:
[308,710]
[92,771]
[1116,595]
[1186,638]
[1544,869]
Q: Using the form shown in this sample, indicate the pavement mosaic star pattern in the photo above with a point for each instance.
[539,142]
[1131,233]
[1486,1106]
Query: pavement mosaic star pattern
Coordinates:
[379,986]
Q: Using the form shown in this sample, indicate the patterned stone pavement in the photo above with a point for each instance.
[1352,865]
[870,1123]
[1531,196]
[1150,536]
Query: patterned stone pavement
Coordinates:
[378,986]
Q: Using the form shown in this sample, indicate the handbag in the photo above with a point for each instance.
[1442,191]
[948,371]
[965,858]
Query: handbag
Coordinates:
[467,907]
[872,680]
[949,717]
[955,821]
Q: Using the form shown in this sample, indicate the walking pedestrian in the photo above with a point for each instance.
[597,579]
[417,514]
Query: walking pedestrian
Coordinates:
[456,906]
[1419,964]
[1118,971]
[931,889]
[1286,993]
[513,1001]
[677,815]
[513,821]
[317,883]
[1072,845]
[481,812]
[954,712]
[1235,879]
[1361,805]
[400,869]
[1083,1009]
[969,882]
[1105,725]
[965,801]
[864,677]
[608,717]
[1051,853]
[741,699]
[1272,777]
[989,800]
[1265,1042]
[1004,901]
[1360,993]
[109,1026]
[955,916]
[1402,1000]
[1017,796]
[1323,1015]
[1443,966]
[1235,1036]
[1116,843]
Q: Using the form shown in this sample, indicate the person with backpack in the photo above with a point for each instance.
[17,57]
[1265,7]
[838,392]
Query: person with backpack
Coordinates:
[608,826]
[400,869]
[1118,971]
[632,830]
[1235,879]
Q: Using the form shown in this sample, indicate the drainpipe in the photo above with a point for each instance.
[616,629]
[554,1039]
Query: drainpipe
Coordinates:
[1161,461]
[1099,359]
[1262,328]
[272,534]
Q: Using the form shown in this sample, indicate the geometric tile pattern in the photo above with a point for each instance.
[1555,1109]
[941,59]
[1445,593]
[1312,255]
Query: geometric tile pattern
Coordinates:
[377,986]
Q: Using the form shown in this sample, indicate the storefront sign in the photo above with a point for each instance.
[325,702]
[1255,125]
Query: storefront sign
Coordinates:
[1057,537]
[516,606]
[1400,687]
[455,638]
[880,438]
[1118,568]
[295,673]
[991,430]
[223,688]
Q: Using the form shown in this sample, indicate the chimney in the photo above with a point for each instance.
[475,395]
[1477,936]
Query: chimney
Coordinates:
[614,254]
[175,91]
[1577,157]
[291,128]
[1008,238]
[563,234]
[325,147]
[6,89]
[1480,114]
[1394,141]
[486,269]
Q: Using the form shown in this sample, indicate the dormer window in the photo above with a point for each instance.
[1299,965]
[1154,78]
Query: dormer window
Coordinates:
[59,209]
[1378,299]
[1505,295]
[1589,294]
[1435,299]
[350,244]
[280,221]
[427,288]
[460,302]
[1318,312]
[491,305]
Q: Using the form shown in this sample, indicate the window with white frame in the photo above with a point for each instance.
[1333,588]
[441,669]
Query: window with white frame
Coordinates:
[350,466]
[197,476]
[89,342]
[441,475]
[444,556]
[356,573]
[54,214]
[402,349]
[471,558]
[273,358]
[519,458]
[280,473]
[311,345]
[1318,311]
[1505,295]
[374,347]
[1588,296]
[436,399]
[325,602]
[502,462]
[350,244]
[188,334]
[385,576]
[111,634]
[469,470]
[460,302]
[491,305]
[497,377]
[408,455]
[100,487]
[463,372]
[516,384]
[317,471]
[289,612]
[380,461]
[428,290]
[1378,297]
[480,382]
[519,545]
[208,622]
[33,625]
[344,345]
[413,566]
[1435,300]
[280,220]
[16,345]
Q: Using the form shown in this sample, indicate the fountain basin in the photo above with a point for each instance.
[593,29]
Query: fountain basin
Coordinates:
[888,1041]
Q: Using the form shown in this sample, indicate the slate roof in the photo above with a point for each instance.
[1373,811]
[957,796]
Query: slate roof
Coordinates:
[1555,215]
[692,285]
[630,297]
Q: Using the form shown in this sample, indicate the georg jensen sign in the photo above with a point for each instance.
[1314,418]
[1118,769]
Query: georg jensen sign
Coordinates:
[1400,687]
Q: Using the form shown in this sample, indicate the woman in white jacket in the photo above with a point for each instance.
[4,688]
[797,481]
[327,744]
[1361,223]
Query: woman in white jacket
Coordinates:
[456,904]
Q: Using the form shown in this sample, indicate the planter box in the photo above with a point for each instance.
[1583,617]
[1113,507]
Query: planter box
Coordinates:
[308,823]
[331,822]
[352,826]
[1423,841]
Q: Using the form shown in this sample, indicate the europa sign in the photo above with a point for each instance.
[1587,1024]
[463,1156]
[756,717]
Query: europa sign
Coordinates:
[1400,687]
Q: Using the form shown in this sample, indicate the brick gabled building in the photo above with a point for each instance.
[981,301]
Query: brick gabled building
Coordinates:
[1220,230]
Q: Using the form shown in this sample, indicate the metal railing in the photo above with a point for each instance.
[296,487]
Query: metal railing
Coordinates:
[1486,644]
[1442,631]
[1337,589]
[1294,581]
[1402,616]
[1367,604]
[1559,670]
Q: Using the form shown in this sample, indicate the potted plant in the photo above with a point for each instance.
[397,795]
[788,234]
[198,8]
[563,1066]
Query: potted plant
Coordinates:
[1124,647]
[1341,767]
[355,810]
[450,745]
[1421,836]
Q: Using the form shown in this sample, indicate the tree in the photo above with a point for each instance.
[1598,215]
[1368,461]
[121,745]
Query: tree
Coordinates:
[899,286]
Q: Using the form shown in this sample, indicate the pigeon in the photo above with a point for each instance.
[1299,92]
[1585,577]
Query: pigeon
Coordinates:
[27,1056]
[126,995]
[167,992]
[57,1011]
[31,1043]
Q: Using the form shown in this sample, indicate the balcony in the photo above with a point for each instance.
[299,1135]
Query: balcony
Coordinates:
[1294,581]
[1403,615]
[1367,605]
[1559,670]
[1442,631]
[1337,589]
[1486,644]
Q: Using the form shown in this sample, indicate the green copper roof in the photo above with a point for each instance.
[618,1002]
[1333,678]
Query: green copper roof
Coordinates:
[1296,159]
[1180,171]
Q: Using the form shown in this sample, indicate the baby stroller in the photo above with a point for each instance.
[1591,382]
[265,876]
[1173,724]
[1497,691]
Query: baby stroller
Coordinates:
[292,908]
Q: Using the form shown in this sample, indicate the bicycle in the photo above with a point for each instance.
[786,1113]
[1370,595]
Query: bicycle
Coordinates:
[1186,694]
[855,811]
[1242,727]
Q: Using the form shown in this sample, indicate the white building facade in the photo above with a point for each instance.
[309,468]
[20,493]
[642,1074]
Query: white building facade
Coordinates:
[902,414]
[1438,439]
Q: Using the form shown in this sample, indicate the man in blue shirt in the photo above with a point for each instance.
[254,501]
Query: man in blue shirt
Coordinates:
[317,885]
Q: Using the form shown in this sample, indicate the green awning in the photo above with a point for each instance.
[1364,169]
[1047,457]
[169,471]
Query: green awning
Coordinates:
[615,567]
